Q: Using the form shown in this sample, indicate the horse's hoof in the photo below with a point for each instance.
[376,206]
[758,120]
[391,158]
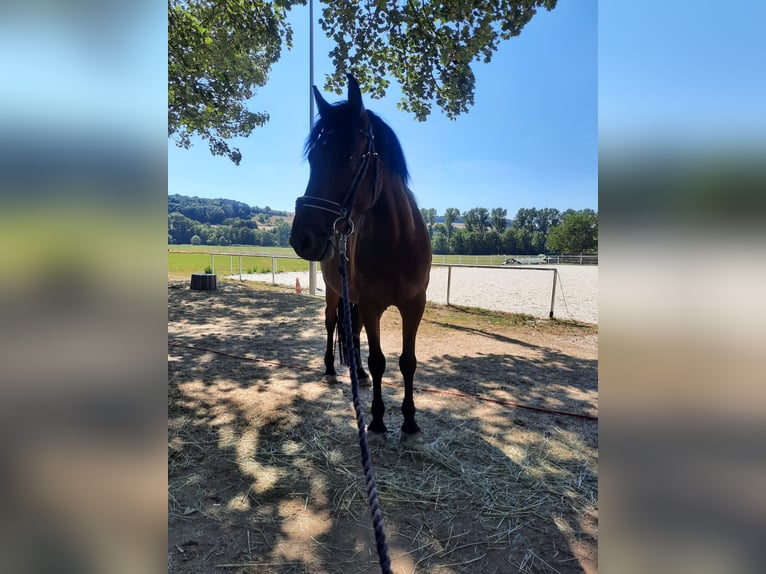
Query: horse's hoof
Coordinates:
[365,381]
[376,438]
[331,379]
[414,438]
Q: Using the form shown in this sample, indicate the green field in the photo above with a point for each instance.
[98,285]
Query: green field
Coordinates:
[184,259]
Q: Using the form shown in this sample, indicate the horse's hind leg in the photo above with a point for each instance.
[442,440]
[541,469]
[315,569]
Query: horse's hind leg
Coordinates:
[330,321]
[411,314]
[361,374]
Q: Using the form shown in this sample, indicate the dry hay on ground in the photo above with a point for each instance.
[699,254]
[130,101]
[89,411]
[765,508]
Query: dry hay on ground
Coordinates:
[264,464]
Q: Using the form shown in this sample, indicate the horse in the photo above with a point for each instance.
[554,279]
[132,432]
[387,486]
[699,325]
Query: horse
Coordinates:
[358,192]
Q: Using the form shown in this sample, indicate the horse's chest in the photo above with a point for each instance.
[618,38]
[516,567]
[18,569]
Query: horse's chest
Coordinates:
[374,284]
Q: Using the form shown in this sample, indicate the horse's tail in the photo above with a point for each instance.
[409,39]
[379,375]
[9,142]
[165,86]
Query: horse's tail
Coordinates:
[340,341]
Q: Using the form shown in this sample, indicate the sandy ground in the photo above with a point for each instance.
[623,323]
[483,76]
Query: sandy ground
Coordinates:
[264,472]
[511,289]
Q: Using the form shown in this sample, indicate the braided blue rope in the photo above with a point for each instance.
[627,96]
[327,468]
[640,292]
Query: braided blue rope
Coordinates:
[369,473]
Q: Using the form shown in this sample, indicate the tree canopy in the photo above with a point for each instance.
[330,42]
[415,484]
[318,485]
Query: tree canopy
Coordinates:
[219,51]
[428,47]
[577,233]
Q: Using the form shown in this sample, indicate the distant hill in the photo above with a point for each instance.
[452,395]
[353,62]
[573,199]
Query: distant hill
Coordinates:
[216,211]
[219,221]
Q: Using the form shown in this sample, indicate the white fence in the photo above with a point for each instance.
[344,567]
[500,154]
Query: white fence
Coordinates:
[563,259]
[553,271]
[534,289]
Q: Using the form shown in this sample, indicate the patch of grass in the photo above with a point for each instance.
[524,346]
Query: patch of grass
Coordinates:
[473,316]
[187,259]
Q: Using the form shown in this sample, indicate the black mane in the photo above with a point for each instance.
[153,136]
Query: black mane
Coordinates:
[387,144]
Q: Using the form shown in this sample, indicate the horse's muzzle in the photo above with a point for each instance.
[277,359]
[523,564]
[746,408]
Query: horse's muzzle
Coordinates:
[311,246]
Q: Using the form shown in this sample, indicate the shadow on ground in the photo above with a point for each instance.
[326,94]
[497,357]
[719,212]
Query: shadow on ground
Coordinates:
[264,466]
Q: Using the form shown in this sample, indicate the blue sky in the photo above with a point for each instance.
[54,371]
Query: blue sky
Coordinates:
[530,140]
[682,74]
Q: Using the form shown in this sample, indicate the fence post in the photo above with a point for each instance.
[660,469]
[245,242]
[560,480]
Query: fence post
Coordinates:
[449,280]
[273,270]
[212,262]
[240,268]
[231,262]
[553,292]
[580,258]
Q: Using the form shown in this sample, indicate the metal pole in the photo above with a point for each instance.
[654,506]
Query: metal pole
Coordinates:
[553,292]
[240,268]
[231,262]
[449,280]
[312,264]
[212,262]
[273,267]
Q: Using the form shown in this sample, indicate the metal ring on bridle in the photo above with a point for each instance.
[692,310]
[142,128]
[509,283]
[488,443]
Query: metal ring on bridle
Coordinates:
[347,220]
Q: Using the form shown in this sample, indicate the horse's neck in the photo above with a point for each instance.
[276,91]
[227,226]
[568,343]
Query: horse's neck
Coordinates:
[394,216]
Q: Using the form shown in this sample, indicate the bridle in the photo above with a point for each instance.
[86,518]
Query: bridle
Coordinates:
[343,209]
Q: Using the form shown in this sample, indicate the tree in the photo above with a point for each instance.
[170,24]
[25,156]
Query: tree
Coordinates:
[428,47]
[547,218]
[451,214]
[458,243]
[537,242]
[218,52]
[499,221]
[577,233]
[476,219]
[439,243]
[195,240]
[429,216]
[180,227]
[282,232]
[533,219]
[523,239]
[508,243]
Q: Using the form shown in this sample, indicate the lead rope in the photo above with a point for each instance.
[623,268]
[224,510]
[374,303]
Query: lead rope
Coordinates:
[369,473]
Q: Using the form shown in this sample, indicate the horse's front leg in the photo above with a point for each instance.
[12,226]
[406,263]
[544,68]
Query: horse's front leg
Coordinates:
[356,323]
[411,314]
[330,321]
[377,364]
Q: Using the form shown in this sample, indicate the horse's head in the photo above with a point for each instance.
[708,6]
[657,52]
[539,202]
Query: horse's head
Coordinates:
[343,179]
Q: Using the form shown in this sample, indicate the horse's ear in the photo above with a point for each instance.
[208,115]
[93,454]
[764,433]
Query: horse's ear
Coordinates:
[354,94]
[321,102]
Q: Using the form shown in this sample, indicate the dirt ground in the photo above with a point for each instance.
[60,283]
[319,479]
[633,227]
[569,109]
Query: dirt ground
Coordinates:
[264,471]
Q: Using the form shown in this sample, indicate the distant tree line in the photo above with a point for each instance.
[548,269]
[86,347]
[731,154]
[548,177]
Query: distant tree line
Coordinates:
[480,231]
[216,211]
[203,221]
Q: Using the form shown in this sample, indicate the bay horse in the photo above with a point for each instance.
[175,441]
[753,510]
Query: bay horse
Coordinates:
[358,187]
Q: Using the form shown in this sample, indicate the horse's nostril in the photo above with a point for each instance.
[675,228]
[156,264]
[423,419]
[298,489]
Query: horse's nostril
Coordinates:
[301,242]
